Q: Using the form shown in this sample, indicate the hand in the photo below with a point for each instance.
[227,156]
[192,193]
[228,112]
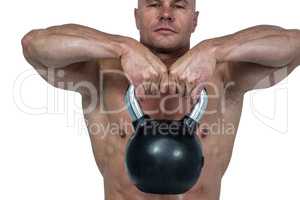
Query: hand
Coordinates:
[145,71]
[190,72]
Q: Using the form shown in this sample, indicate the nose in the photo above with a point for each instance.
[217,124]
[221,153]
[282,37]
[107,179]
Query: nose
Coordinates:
[166,14]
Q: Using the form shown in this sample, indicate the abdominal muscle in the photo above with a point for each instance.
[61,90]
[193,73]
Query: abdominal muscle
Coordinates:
[110,132]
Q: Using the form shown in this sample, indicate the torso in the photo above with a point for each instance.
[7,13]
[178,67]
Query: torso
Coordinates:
[110,128]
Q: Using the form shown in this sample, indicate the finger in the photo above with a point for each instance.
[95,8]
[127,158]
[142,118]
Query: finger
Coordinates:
[164,83]
[172,85]
[183,75]
[139,91]
[183,84]
[189,87]
[147,76]
[154,87]
[147,87]
[181,88]
[153,78]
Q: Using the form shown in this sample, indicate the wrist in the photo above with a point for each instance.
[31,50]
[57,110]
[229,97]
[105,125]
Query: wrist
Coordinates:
[123,44]
[115,45]
[110,46]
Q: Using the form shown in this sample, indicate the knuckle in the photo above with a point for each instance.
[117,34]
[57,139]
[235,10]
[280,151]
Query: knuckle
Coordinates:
[146,76]
[182,77]
[190,81]
[173,72]
[155,75]
[162,69]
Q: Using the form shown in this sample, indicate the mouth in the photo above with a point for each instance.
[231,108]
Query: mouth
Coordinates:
[166,30]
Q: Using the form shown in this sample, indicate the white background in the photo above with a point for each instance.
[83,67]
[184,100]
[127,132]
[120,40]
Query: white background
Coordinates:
[45,152]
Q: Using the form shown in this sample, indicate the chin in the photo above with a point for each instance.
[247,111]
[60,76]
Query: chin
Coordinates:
[165,46]
[165,49]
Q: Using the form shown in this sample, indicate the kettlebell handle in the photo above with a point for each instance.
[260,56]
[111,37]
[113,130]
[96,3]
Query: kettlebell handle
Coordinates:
[136,112]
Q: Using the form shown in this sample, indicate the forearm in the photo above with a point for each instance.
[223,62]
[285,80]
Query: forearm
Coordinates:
[266,45]
[59,46]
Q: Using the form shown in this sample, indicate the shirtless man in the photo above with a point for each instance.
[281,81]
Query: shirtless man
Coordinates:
[100,67]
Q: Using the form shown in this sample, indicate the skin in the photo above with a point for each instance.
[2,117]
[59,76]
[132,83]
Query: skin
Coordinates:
[168,76]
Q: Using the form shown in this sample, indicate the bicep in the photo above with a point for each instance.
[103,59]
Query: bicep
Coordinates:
[245,76]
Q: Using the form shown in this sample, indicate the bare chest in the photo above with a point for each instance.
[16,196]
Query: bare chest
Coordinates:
[110,129]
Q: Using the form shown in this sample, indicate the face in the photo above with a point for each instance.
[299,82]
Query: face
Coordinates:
[166,25]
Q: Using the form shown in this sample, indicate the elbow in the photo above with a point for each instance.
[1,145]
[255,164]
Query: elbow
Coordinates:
[28,39]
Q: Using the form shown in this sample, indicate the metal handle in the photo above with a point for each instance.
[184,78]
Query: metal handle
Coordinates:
[136,112]
[200,106]
[133,105]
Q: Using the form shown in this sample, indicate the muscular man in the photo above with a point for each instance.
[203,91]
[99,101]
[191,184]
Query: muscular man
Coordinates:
[168,75]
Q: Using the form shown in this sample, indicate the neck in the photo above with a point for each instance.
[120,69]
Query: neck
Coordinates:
[169,57]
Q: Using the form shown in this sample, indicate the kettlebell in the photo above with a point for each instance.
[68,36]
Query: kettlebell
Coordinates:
[164,156]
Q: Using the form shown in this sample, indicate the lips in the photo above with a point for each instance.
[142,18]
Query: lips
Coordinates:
[164,29]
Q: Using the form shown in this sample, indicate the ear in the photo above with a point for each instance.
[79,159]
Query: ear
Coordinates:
[195,20]
[137,18]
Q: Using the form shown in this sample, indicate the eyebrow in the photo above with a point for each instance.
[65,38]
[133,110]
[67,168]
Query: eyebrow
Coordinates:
[175,1]
[150,1]
[185,1]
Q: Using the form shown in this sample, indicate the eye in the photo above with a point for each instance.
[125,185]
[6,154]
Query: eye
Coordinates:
[179,6]
[154,5]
